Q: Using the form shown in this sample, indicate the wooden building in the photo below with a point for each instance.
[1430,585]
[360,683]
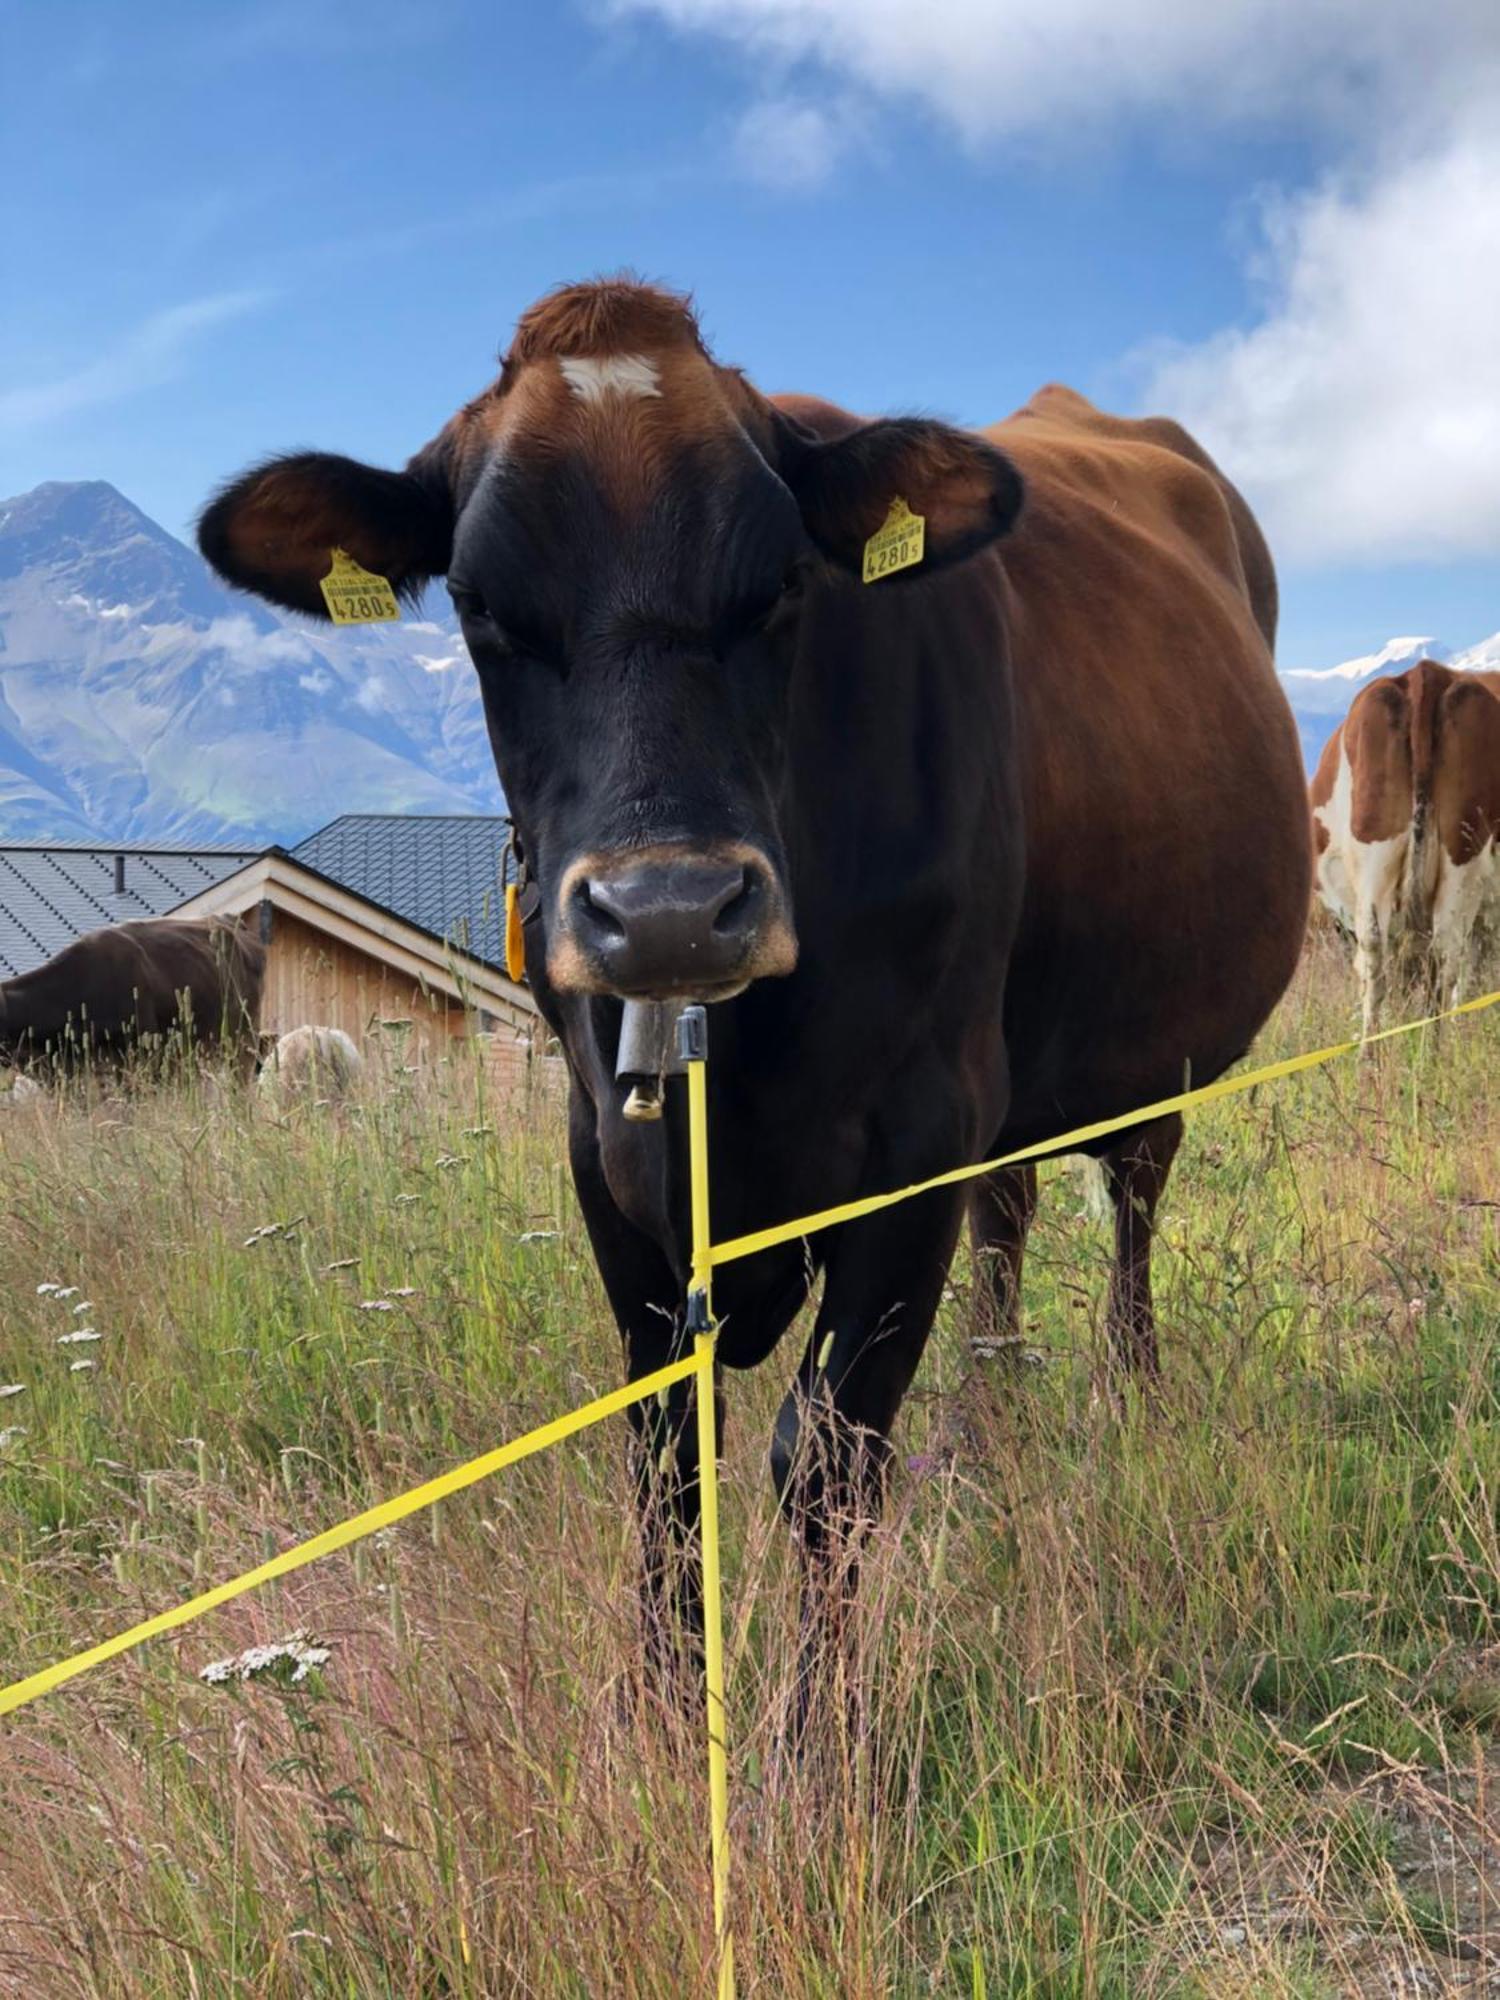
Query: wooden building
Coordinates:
[387,925]
[415,964]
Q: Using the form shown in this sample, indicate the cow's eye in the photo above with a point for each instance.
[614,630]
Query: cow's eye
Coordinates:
[470,604]
[480,622]
[769,609]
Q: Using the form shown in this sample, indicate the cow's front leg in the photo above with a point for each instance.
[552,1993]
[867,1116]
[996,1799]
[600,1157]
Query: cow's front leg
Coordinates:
[831,1451]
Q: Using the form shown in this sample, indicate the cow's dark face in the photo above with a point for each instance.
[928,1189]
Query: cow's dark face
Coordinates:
[627,586]
[628,533]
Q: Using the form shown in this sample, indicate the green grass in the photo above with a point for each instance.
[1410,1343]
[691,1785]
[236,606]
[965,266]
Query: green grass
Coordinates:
[1155,1708]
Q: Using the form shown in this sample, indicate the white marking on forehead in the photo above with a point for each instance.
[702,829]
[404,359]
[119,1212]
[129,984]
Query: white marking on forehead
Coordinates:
[600,375]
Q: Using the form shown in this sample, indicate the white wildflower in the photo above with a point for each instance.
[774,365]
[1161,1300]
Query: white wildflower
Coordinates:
[44,1291]
[82,1336]
[80,1367]
[450,1159]
[11,1389]
[273,1229]
[405,1200]
[403,1291]
[65,1292]
[11,1435]
[83,1306]
[289,1660]
[376,1306]
[478,1131]
[341,1264]
[539,1235]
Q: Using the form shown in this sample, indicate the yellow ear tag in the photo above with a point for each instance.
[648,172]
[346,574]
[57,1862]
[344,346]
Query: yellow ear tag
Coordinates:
[896,544]
[356,596]
[515,937]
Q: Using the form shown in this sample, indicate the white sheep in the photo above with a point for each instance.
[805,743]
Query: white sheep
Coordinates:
[317,1063]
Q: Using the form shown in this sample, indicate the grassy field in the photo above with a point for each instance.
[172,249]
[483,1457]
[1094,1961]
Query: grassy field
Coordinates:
[1206,1703]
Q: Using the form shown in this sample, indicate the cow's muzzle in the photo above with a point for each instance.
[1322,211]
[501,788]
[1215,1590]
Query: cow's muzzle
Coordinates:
[668,923]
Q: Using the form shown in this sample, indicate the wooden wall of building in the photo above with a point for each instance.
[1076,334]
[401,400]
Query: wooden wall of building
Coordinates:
[318,980]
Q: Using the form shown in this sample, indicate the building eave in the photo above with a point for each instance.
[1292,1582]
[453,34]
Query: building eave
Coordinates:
[290,885]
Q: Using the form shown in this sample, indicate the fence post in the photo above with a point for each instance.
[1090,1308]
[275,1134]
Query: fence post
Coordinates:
[692,1046]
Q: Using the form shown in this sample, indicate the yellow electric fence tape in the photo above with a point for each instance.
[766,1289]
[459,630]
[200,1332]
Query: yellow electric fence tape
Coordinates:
[708,1455]
[1227,1086]
[383,1516]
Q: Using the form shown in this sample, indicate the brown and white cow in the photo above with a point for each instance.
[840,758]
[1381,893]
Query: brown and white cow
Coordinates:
[1406,817]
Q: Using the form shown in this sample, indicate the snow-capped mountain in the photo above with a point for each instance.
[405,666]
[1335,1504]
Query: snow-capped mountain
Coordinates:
[141,701]
[1320,696]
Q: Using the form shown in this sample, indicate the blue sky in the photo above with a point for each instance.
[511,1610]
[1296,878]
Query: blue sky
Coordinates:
[263,225]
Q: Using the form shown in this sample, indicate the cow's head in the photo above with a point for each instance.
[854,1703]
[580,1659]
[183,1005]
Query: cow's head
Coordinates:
[628,531]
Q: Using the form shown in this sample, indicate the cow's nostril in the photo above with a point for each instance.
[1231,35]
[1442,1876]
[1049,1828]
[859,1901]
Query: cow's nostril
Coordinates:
[599,915]
[736,912]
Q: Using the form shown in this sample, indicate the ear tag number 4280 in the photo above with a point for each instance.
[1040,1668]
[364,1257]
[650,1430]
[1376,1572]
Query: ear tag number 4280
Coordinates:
[896,544]
[356,596]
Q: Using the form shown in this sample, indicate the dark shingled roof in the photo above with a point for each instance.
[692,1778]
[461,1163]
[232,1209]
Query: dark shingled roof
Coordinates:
[440,872]
[50,895]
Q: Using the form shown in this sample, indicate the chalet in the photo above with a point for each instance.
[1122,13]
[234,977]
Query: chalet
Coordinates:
[379,923]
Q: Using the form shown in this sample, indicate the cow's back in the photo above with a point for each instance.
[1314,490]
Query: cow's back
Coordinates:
[1168,862]
[144,977]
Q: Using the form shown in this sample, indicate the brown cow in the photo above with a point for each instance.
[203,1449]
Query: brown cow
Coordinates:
[1011,837]
[1406,810]
[113,989]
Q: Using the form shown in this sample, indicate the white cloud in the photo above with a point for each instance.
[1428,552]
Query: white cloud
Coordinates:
[1361,412]
[1359,403]
[146,357]
[1029,66]
[789,144]
[248,646]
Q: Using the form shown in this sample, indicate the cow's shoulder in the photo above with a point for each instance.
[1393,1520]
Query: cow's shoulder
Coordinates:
[1149,474]
[1064,413]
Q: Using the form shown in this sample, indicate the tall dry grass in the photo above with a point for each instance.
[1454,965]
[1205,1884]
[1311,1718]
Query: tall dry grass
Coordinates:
[1205,1703]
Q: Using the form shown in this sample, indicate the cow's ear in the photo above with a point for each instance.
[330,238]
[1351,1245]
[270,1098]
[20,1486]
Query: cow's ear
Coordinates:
[967,492]
[274,529]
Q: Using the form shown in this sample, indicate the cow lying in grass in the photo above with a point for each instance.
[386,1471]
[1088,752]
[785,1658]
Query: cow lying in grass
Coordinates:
[135,987]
